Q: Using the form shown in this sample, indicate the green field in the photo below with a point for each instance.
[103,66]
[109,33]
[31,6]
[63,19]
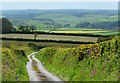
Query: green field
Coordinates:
[99,22]
[80,31]
[74,44]
[103,32]
[86,31]
[97,19]
[68,18]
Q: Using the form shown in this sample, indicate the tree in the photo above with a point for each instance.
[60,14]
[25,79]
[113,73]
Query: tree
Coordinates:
[35,36]
[83,25]
[32,28]
[27,29]
[67,26]
[6,25]
[22,28]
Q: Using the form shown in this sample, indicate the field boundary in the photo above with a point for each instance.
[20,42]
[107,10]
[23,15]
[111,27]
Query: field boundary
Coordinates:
[54,41]
[67,34]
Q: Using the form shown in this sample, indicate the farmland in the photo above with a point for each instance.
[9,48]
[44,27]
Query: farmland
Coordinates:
[102,32]
[86,31]
[79,31]
[52,37]
[54,19]
[75,45]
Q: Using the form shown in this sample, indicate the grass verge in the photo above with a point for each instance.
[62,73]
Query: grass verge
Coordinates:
[14,59]
[89,62]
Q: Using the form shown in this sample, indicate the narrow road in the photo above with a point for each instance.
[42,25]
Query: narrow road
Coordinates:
[35,76]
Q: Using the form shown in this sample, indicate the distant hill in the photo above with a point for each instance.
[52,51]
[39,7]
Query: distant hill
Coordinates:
[105,19]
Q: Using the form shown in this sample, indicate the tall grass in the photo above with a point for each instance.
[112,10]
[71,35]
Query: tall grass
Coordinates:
[89,62]
[14,60]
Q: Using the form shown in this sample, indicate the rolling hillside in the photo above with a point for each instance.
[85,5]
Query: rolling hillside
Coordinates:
[106,19]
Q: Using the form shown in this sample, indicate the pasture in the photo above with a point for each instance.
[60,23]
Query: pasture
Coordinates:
[78,32]
[52,37]
[103,32]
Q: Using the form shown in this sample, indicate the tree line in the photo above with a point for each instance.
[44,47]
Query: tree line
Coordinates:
[27,28]
[99,25]
[6,26]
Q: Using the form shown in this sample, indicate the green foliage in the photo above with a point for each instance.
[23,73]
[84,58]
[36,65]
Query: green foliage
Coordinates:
[13,68]
[0,64]
[27,28]
[86,63]
[6,26]
[14,60]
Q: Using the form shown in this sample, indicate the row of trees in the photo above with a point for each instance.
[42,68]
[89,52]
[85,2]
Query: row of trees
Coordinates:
[99,25]
[27,28]
[6,26]
[57,25]
[102,25]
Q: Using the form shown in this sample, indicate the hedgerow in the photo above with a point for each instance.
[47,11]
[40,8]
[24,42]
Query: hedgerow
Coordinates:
[88,62]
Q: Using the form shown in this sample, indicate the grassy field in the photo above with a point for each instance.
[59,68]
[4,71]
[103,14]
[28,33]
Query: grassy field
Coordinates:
[103,32]
[71,19]
[102,19]
[85,31]
[97,32]
[79,32]
[52,37]
[109,33]
[91,62]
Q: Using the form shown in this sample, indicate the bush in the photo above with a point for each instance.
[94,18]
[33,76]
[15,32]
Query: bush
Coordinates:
[98,62]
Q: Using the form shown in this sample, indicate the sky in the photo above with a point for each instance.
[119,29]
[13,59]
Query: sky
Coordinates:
[59,0]
[55,4]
